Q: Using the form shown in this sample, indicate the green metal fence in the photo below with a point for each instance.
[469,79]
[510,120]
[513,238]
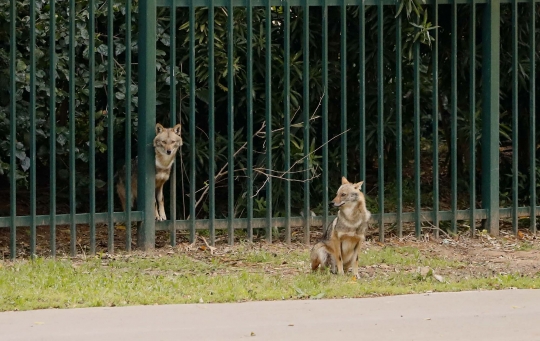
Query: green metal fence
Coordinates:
[362,114]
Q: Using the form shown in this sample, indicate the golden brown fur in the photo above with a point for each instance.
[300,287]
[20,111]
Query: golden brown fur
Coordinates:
[166,144]
[341,240]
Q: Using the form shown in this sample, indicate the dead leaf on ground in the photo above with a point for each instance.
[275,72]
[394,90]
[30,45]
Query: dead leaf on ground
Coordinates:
[439,278]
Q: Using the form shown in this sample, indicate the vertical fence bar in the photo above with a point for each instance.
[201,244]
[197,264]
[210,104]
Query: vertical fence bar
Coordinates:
[32,111]
[52,124]
[532,110]
[453,118]
[72,186]
[110,124]
[250,107]
[417,155]
[192,145]
[362,95]
[287,123]
[472,108]
[305,106]
[435,117]
[515,117]
[172,75]
[230,132]
[343,56]
[128,126]
[146,234]
[380,116]
[211,126]
[268,97]
[268,132]
[399,130]
[12,130]
[490,114]
[325,112]
[92,118]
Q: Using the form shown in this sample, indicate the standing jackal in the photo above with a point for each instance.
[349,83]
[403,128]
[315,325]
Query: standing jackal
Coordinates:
[166,144]
[341,240]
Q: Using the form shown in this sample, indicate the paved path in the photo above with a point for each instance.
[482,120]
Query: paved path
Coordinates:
[487,315]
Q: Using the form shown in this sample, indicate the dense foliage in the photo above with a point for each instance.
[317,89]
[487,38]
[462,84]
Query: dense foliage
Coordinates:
[417,26]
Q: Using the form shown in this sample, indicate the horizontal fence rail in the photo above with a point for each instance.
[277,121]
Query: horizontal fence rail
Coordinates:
[433,107]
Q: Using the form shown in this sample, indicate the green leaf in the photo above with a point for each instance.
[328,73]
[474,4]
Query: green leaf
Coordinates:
[21,66]
[120,95]
[102,49]
[25,164]
[119,48]
[61,139]
[100,183]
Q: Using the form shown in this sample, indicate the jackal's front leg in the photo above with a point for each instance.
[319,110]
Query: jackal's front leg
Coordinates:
[355,260]
[160,209]
[339,260]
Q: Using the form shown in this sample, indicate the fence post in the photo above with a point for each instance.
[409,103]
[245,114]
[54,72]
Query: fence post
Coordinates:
[146,233]
[490,114]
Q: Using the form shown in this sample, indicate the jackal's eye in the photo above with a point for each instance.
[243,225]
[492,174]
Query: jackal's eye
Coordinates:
[343,194]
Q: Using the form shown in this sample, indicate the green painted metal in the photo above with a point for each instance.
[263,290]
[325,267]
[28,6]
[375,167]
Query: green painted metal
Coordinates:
[172,81]
[306,112]
[287,123]
[435,117]
[453,117]
[211,122]
[472,116]
[110,124]
[490,114]
[325,112]
[65,219]
[515,117]
[532,112]
[313,3]
[192,113]
[12,131]
[33,124]
[343,64]
[52,123]
[362,97]
[380,116]
[387,218]
[147,122]
[72,146]
[490,211]
[92,119]
[230,130]
[128,125]
[416,119]
[268,99]
[399,125]
[268,130]
[250,106]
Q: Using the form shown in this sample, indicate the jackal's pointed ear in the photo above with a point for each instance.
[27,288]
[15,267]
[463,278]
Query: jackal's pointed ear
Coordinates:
[358,185]
[344,180]
[177,128]
[159,128]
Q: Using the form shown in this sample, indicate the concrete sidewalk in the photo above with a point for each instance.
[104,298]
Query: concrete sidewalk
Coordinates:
[484,315]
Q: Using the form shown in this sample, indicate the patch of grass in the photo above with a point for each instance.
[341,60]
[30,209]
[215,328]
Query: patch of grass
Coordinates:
[243,274]
[404,256]
[525,246]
